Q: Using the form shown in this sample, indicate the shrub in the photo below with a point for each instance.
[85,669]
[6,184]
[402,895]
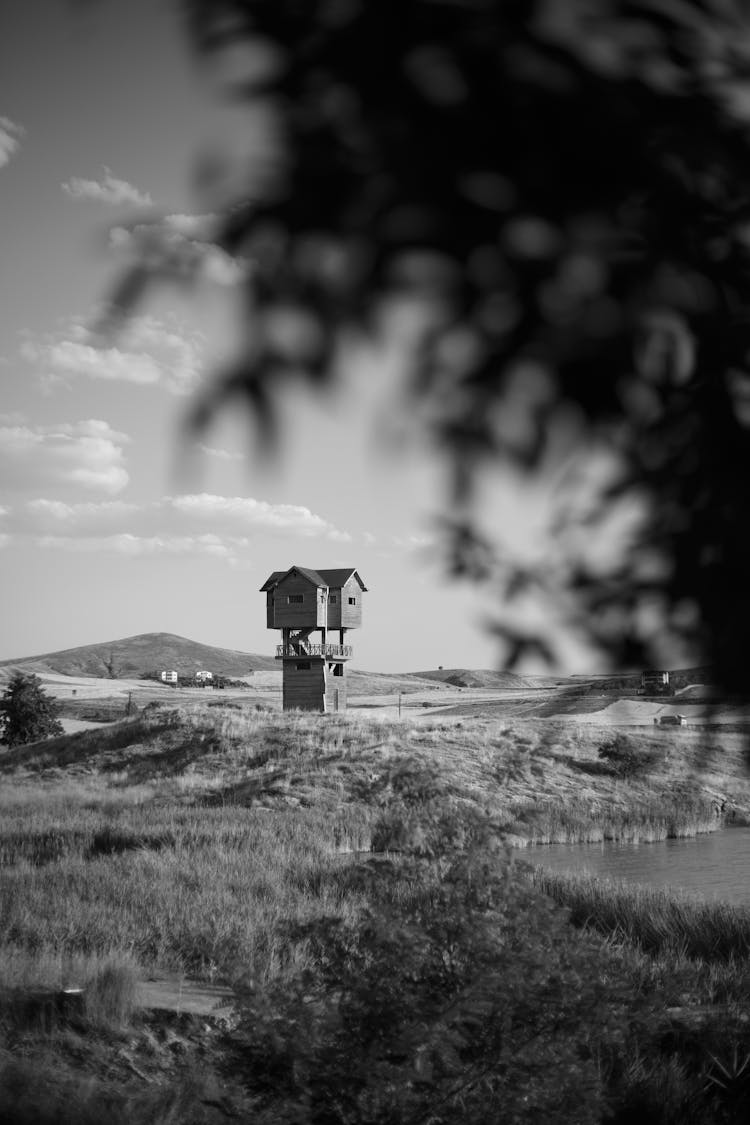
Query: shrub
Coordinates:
[459,995]
[110,997]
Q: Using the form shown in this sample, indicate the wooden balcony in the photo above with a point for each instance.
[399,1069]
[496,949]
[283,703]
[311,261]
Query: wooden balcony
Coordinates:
[304,648]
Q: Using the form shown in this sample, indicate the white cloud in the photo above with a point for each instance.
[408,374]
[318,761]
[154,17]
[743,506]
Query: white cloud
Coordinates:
[107,190]
[127,544]
[202,227]
[10,139]
[149,352]
[220,526]
[87,453]
[70,357]
[184,245]
[246,512]
[220,454]
[83,517]
[415,543]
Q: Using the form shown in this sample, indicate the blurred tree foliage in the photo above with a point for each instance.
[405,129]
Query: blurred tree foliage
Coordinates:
[557,192]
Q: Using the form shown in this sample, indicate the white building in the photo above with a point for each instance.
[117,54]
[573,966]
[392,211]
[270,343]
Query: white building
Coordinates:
[169,677]
[204,677]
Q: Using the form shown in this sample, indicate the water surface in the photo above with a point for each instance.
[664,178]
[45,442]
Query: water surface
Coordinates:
[712,866]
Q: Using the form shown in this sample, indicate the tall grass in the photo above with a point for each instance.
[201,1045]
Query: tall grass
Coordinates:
[183,838]
[214,842]
[656,921]
[640,821]
[203,895]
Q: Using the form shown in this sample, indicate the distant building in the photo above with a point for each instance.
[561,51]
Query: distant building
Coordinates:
[301,601]
[169,677]
[204,677]
[670,721]
[655,683]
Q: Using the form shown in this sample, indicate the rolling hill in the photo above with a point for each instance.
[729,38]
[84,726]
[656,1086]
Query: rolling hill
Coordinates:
[485,678]
[146,652]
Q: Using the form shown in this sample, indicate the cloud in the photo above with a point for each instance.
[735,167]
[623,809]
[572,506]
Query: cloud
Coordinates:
[220,526]
[184,245]
[415,543]
[10,139]
[107,190]
[127,544]
[220,454]
[85,517]
[245,512]
[149,352]
[87,453]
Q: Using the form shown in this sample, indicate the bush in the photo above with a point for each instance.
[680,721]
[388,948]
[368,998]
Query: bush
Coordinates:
[111,996]
[459,995]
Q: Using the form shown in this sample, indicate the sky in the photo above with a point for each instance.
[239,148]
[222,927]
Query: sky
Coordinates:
[110,525]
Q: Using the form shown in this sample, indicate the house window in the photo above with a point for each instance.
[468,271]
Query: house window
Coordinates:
[303,665]
[332,599]
[352,601]
[295,599]
[338,669]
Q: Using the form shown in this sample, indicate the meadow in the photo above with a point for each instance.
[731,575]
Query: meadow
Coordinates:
[349,879]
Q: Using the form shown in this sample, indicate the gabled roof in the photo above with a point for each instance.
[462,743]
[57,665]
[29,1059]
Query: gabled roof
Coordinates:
[272,580]
[338,578]
[334,579]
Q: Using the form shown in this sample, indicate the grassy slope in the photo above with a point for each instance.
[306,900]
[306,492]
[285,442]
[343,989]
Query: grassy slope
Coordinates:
[145,652]
[589,778]
[188,840]
[485,678]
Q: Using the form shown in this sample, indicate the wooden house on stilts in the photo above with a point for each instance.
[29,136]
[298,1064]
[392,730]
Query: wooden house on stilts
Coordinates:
[301,602]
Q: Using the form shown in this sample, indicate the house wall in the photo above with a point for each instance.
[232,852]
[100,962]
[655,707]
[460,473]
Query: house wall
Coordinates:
[334,610]
[351,615]
[311,613]
[336,687]
[305,689]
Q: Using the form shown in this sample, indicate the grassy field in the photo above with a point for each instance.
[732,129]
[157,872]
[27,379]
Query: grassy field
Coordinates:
[320,865]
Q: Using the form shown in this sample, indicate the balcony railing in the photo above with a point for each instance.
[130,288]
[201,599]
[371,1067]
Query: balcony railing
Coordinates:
[302,648]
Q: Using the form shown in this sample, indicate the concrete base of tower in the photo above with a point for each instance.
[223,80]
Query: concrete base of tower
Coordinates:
[314,683]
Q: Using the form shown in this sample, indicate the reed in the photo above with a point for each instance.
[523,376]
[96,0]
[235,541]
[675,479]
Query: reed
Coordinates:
[204,895]
[580,821]
[657,922]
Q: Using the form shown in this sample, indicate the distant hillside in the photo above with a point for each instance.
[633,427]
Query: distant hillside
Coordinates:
[134,656]
[484,678]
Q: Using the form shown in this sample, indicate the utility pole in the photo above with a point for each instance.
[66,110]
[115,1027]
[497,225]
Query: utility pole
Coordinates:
[399,705]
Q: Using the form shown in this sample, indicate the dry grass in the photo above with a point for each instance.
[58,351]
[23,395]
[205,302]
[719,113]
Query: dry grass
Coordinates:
[197,841]
[182,839]
[656,921]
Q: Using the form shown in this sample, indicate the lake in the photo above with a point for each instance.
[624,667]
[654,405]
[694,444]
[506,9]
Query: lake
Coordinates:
[713,866]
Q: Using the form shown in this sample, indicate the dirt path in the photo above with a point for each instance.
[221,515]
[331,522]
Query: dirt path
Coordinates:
[186,997]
